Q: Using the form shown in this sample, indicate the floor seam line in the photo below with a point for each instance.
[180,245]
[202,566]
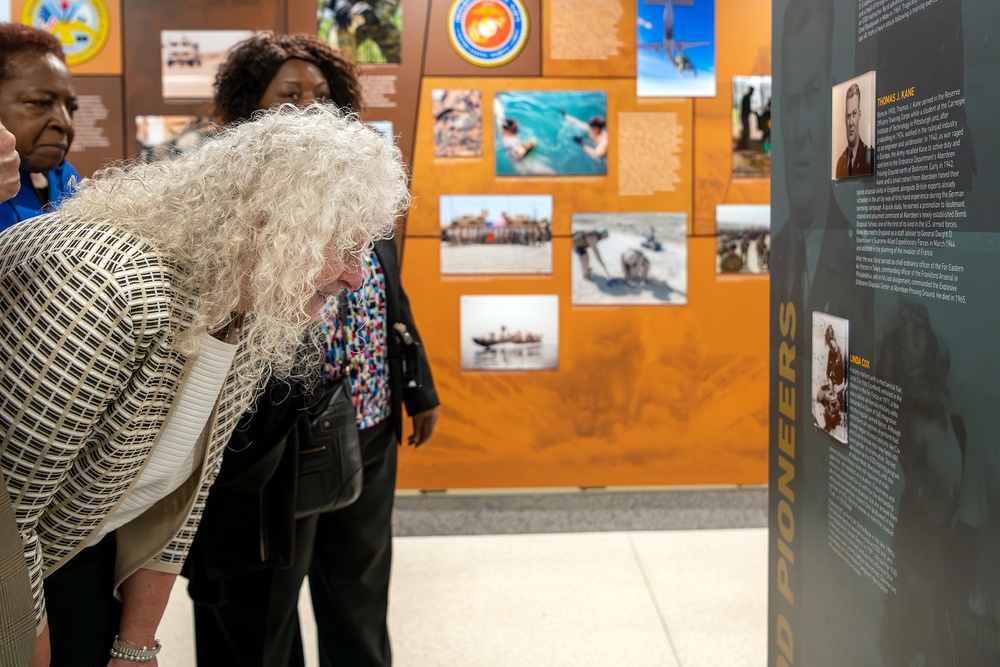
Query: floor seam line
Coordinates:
[656,604]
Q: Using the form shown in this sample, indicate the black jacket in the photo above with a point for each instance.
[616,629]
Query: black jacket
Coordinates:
[249,520]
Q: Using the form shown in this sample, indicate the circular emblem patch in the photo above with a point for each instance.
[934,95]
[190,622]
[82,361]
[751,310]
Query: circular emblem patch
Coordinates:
[80,25]
[488,33]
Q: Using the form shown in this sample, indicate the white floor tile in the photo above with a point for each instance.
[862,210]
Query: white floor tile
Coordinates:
[176,631]
[526,600]
[711,588]
[555,600]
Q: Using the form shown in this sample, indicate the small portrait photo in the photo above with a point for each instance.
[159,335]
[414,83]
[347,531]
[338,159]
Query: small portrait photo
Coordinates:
[829,375]
[484,234]
[629,259]
[853,152]
[743,239]
[458,123]
[191,59]
[510,332]
[160,137]
[551,133]
[751,126]
[368,32]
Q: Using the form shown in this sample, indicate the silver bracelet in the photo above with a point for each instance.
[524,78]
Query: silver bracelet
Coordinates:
[145,654]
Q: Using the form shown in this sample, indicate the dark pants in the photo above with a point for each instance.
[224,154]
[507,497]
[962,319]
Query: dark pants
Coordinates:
[83,613]
[258,625]
[350,551]
[352,557]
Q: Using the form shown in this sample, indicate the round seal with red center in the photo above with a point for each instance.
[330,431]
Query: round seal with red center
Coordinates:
[488,33]
[81,26]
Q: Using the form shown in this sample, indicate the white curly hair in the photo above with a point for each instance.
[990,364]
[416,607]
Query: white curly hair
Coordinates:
[254,215]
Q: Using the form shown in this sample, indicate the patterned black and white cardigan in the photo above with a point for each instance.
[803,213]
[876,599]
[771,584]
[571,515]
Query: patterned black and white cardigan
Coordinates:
[90,321]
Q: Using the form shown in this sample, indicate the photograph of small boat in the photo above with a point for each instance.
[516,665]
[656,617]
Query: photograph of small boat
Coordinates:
[508,340]
[510,332]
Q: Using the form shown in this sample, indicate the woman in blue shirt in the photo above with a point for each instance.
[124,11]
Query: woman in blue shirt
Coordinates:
[37,101]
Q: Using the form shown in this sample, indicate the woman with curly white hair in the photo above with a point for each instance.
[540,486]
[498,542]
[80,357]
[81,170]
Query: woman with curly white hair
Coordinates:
[137,324]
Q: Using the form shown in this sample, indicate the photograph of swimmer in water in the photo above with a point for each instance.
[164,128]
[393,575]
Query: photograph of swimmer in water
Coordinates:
[551,133]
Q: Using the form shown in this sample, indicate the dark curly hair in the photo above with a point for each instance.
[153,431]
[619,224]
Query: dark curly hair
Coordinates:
[253,63]
[17,38]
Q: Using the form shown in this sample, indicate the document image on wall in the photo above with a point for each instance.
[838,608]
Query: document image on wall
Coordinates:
[551,133]
[458,122]
[853,151]
[191,59]
[751,126]
[829,375]
[743,238]
[675,48]
[628,258]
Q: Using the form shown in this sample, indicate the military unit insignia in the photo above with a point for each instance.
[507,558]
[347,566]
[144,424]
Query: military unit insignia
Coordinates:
[80,25]
[488,33]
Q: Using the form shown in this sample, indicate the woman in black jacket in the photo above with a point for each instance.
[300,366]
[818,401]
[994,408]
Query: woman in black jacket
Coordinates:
[252,554]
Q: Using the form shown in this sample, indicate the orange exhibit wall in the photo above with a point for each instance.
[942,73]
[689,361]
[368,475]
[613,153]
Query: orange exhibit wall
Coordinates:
[642,395]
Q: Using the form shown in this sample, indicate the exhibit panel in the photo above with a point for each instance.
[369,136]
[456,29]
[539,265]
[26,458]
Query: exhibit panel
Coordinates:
[660,372]
[98,123]
[884,504]
[589,38]
[561,251]
[641,395]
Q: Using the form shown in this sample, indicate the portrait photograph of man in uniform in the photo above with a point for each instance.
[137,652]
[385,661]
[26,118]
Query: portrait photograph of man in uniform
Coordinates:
[858,112]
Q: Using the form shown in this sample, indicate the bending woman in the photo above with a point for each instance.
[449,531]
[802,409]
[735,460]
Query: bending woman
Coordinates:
[247,568]
[137,324]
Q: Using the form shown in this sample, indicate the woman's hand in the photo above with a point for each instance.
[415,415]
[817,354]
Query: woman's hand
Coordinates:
[144,597]
[423,427]
[10,177]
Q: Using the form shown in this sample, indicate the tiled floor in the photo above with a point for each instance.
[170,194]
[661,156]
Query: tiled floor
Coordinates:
[685,598]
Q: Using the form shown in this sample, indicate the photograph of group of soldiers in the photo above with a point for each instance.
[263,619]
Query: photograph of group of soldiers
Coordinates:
[743,238]
[159,137]
[483,234]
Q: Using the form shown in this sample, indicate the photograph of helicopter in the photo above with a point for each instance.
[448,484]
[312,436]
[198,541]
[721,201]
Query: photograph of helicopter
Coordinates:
[675,50]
